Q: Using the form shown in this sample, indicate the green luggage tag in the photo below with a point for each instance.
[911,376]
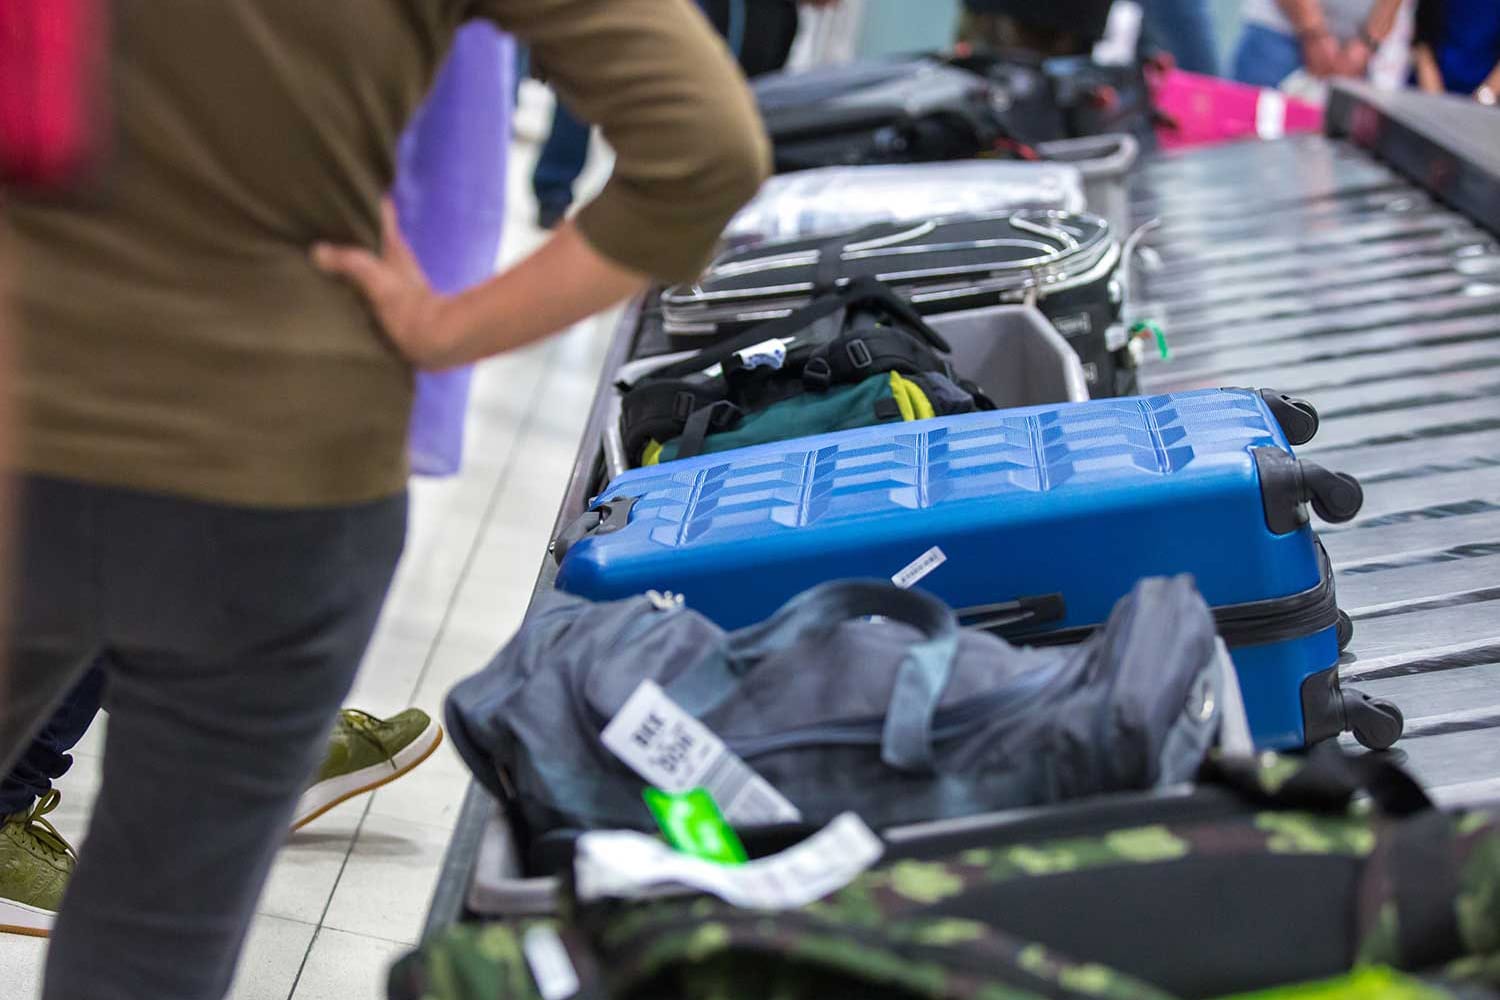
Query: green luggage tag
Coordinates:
[1365,982]
[1149,329]
[692,823]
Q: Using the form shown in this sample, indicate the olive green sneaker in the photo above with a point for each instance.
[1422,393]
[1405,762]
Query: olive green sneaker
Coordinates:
[364,753]
[35,863]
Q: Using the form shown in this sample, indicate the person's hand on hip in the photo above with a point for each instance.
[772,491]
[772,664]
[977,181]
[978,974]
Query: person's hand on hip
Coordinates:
[562,283]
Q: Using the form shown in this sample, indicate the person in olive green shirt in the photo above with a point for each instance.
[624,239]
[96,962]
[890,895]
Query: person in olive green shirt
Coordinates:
[216,349]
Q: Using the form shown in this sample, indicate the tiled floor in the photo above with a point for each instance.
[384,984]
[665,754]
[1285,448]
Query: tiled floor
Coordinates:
[349,892]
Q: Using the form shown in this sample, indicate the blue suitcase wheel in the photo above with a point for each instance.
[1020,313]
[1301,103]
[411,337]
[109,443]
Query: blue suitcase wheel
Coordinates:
[1375,722]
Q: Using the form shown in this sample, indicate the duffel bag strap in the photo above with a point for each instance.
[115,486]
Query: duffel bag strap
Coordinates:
[1422,878]
[1325,779]
[1415,866]
[658,410]
[906,742]
[714,417]
[862,292]
[869,349]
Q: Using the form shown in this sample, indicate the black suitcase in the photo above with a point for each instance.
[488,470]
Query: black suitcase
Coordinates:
[889,112]
[1065,97]
[1068,263]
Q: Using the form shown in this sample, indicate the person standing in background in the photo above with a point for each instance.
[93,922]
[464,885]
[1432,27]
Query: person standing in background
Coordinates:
[1056,28]
[759,33]
[1184,29]
[214,387]
[1456,48]
[1327,38]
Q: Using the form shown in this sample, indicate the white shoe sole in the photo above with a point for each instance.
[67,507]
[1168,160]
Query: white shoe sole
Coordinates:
[18,918]
[323,796]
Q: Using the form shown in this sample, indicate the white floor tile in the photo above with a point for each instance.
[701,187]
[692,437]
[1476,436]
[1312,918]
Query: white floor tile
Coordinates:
[93,739]
[79,787]
[391,672]
[431,794]
[343,966]
[388,881]
[21,961]
[273,954]
[452,662]
[308,867]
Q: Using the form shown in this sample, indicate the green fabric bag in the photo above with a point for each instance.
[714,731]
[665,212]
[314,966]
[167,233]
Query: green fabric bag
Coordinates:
[1276,875]
[878,399]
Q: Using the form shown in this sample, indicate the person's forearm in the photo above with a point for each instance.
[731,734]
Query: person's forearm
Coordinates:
[673,105]
[1306,16]
[1493,80]
[562,283]
[1429,77]
[1382,19]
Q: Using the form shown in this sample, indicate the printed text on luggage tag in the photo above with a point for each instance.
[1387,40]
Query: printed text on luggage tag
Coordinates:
[675,752]
[919,567]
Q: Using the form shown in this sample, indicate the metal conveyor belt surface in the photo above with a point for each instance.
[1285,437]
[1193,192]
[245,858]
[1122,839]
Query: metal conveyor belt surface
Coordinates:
[1308,266]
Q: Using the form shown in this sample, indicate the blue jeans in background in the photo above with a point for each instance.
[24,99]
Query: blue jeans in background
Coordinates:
[760,34]
[46,757]
[1264,57]
[560,162]
[1185,29]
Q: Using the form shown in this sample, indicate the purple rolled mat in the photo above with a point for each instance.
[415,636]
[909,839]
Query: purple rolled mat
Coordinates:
[450,198]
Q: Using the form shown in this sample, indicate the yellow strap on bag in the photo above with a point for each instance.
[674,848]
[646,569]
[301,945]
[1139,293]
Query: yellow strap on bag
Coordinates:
[910,399]
[652,453]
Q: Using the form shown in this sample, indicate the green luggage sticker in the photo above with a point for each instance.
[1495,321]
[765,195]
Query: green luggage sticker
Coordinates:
[1363,983]
[692,823]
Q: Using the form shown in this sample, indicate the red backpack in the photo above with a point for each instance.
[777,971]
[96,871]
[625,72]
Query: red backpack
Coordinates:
[52,68]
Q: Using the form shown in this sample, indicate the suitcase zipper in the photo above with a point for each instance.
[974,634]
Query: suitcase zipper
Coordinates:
[1251,623]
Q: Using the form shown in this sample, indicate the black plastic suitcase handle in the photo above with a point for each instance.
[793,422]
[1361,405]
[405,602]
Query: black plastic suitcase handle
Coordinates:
[611,515]
[1014,617]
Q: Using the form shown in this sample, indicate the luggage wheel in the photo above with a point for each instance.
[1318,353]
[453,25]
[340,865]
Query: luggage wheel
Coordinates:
[1345,630]
[1375,722]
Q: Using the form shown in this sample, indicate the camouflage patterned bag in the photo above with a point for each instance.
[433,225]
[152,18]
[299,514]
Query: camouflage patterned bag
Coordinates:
[1273,875]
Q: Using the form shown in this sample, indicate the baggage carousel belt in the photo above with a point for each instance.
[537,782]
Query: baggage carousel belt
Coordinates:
[1349,285]
[1316,267]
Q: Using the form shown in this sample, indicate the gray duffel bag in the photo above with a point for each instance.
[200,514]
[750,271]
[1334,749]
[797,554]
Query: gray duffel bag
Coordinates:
[856,696]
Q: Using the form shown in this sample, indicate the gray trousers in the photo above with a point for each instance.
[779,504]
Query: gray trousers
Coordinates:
[233,635]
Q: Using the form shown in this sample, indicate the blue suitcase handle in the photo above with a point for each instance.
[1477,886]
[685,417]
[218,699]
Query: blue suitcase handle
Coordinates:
[906,741]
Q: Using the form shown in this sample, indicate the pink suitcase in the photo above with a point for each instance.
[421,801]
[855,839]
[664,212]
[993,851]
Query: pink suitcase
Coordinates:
[1201,110]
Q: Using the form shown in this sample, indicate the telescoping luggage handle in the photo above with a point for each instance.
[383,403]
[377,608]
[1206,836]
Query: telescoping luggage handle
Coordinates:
[906,741]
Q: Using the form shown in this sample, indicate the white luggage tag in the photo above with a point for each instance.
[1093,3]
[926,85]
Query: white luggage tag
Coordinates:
[670,749]
[766,354]
[551,967]
[916,570]
[623,864]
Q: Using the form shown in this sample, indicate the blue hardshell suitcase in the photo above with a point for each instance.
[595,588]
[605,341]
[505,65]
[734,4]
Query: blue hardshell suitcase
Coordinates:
[1030,521]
